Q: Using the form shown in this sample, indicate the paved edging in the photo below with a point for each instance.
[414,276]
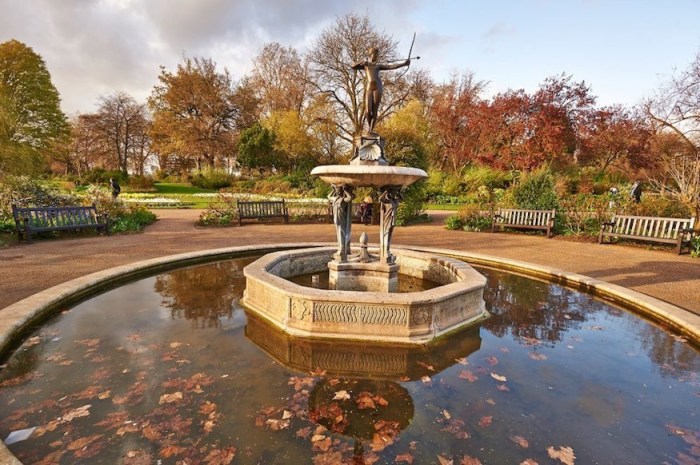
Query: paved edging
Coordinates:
[20,316]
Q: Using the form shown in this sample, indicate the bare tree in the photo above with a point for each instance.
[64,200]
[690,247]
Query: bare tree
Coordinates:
[676,109]
[121,121]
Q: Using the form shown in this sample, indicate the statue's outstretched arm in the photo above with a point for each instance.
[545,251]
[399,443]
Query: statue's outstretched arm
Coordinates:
[395,65]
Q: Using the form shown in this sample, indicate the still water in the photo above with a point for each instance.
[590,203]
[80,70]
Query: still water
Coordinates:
[170,370]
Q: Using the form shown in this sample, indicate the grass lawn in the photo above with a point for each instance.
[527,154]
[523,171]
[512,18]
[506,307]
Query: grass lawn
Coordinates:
[180,188]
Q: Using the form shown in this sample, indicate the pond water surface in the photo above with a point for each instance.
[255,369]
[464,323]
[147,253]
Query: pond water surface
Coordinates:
[170,370]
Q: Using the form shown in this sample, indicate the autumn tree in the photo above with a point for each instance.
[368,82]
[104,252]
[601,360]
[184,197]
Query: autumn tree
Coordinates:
[31,120]
[280,78]
[615,135]
[456,120]
[295,147]
[256,149]
[330,59]
[193,113]
[675,109]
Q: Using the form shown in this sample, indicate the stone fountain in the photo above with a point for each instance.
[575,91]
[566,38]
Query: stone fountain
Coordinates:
[362,302]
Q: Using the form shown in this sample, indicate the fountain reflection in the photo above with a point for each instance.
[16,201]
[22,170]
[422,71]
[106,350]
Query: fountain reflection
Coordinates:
[203,294]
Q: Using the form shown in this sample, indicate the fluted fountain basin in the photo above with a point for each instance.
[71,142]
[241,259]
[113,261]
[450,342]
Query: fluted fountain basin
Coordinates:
[369,175]
[410,317]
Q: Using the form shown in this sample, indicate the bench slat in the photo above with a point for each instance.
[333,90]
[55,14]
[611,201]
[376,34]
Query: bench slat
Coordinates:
[649,228]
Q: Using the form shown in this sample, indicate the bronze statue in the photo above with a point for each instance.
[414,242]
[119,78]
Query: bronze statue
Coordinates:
[373,84]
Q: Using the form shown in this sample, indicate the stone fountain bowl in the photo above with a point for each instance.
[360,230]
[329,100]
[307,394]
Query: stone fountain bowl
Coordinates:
[369,175]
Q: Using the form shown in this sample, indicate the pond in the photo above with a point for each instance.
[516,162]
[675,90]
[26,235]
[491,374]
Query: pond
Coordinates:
[171,370]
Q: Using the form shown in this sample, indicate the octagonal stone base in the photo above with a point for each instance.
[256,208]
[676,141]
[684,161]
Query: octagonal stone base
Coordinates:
[411,317]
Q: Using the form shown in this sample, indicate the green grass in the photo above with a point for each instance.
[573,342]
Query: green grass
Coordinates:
[180,188]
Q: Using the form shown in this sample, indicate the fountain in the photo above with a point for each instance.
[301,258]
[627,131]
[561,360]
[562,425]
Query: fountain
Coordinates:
[362,300]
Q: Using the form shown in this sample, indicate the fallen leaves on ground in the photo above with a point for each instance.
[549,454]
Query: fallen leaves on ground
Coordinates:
[565,454]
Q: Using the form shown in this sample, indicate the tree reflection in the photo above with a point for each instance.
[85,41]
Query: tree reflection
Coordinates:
[203,294]
[532,310]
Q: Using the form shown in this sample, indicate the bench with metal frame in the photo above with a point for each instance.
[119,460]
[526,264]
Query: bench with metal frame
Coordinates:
[524,219]
[674,231]
[30,220]
[256,210]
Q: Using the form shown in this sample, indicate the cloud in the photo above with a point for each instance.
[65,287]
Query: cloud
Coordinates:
[95,47]
[497,32]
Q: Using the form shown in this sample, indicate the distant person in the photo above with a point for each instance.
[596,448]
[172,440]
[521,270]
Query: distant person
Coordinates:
[116,189]
[613,198]
[636,192]
[366,210]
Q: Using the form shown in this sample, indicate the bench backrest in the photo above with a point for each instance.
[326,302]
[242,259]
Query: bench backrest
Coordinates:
[650,226]
[261,209]
[524,217]
[50,217]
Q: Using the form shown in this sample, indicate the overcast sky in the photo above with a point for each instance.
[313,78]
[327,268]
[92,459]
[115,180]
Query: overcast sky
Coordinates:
[622,49]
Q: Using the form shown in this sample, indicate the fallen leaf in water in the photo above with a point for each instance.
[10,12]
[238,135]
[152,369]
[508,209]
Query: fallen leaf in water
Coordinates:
[104,395]
[505,350]
[425,379]
[469,460]
[32,341]
[137,457]
[321,444]
[426,366]
[82,442]
[408,458]
[170,398]
[528,462]
[462,361]
[304,432]
[490,401]
[364,401]
[502,387]
[445,461]
[521,441]
[565,454]
[276,425]
[318,372]
[485,421]
[341,395]
[299,382]
[537,356]
[468,375]
[446,414]
[77,413]
[91,343]
[220,456]
[498,377]
[170,451]
[455,427]
[175,345]
[493,361]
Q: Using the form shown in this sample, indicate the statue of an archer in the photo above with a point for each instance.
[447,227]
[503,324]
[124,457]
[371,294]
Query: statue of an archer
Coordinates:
[369,146]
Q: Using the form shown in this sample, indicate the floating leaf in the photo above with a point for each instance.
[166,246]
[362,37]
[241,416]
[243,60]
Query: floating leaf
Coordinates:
[77,413]
[425,379]
[341,395]
[364,401]
[537,356]
[220,456]
[498,377]
[493,361]
[468,375]
[565,454]
[426,366]
[490,401]
[528,462]
[175,345]
[170,451]
[502,387]
[462,361]
[170,398]
[446,414]
[445,461]
[304,432]
[485,421]
[83,442]
[469,460]
[521,441]
[407,458]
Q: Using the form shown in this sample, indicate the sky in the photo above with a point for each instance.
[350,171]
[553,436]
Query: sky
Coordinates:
[623,49]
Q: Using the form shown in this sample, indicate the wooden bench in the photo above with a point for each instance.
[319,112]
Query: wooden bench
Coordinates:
[525,219]
[676,231]
[255,210]
[29,220]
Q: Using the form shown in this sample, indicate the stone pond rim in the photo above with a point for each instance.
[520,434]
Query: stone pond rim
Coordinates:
[369,175]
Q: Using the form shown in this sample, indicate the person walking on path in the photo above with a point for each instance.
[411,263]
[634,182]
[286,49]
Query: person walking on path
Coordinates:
[116,189]
[636,192]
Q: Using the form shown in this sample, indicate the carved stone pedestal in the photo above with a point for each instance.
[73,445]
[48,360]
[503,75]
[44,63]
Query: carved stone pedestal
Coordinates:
[368,277]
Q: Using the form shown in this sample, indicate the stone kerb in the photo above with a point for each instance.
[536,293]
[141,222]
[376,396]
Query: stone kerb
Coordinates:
[412,317]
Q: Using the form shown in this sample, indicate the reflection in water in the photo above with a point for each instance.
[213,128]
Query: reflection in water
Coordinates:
[113,381]
[201,294]
[360,359]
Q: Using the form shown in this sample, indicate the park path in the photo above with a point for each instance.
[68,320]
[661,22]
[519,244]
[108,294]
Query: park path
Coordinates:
[29,268]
